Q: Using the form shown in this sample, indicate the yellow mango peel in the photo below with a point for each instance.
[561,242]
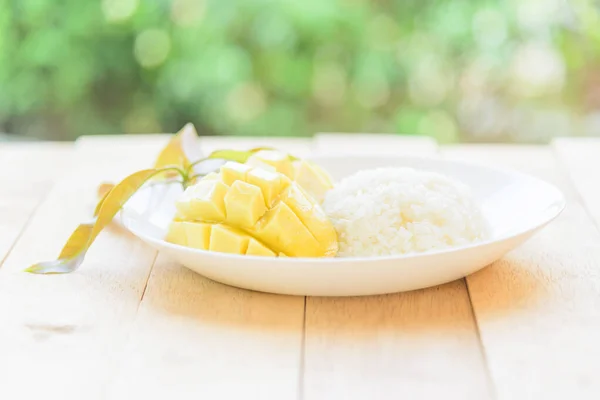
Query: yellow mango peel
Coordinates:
[181,161]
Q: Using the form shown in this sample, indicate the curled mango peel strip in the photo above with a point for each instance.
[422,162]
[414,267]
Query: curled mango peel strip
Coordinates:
[174,160]
[73,252]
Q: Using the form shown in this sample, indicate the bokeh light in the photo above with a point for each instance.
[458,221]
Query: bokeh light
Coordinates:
[152,47]
[515,71]
[246,102]
[537,69]
[118,10]
[187,13]
[329,84]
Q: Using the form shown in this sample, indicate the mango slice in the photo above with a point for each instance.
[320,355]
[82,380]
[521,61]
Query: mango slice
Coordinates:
[176,233]
[245,204]
[272,158]
[204,200]
[255,248]
[270,183]
[312,178]
[233,171]
[197,236]
[226,239]
[216,237]
[254,211]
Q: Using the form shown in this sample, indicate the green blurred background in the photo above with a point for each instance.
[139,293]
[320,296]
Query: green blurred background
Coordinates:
[476,71]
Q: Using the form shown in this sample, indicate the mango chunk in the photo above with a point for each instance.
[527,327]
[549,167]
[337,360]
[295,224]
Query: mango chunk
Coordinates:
[178,216]
[244,204]
[276,159]
[282,230]
[190,234]
[261,212]
[255,248]
[226,239]
[312,216]
[233,171]
[197,234]
[176,234]
[222,238]
[204,201]
[270,183]
[313,179]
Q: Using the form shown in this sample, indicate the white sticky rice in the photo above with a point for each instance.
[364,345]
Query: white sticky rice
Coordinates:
[388,211]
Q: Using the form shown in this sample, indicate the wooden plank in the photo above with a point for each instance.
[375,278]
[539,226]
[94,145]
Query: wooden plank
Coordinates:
[27,172]
[61,334]
[538,308]
[377,144]
[581,157]
[415,345]
[195,338]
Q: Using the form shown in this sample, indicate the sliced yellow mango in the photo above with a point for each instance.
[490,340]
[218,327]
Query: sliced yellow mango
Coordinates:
[312,178]
[204,201]
[283,231]
[312,216]
[178,216]
[245,204]
[260,212]
[233,171]
[176,234]
[216,237]
[270,183]
[226,239]
[191,234]
[197,235]
[255,248]
[276,159]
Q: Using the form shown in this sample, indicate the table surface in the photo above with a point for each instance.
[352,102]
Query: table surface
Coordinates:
[132,323]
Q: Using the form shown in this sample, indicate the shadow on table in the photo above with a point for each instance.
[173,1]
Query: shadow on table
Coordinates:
[176,291]
[508,286]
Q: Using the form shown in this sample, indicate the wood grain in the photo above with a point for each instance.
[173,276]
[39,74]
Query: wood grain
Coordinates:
[61,334]
[195,338]
[27,172]
[538,309]
[415,345]
[581,157]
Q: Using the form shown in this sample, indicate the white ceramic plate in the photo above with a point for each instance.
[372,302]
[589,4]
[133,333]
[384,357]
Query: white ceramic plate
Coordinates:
[515,205]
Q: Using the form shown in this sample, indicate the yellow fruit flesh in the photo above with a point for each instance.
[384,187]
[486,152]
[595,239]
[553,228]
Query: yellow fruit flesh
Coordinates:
[255,248]
[233,171]
[176,233]
[197,236]
[276,159]
[270,183]
[203,201]
[226,239]
[244,204]
[260,213]
[312,179]
[216,237]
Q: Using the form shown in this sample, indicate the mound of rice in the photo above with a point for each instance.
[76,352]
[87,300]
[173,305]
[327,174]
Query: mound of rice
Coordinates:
[402,210]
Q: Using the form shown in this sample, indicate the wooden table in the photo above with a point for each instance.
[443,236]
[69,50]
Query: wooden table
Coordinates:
[132,324]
